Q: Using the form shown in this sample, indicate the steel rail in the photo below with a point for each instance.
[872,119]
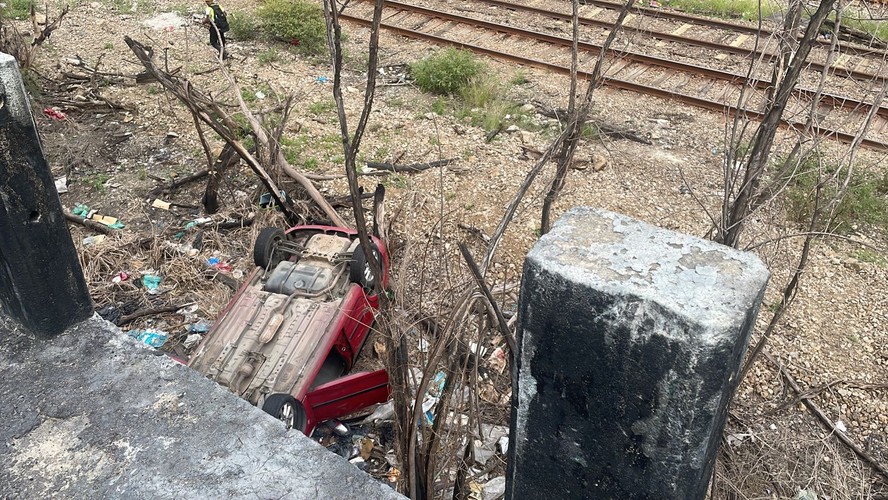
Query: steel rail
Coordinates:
[734,78]
[716,23]
[620,84]
[768,56]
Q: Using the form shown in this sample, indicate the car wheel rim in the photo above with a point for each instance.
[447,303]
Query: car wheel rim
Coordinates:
[287,415]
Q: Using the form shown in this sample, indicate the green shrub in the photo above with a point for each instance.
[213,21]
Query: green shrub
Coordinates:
[865,202]
[295,21]
[243,26]
[447,72]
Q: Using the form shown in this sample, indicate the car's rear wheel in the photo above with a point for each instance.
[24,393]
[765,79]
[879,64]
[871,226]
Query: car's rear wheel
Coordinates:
[287,409]
[359,271]
[267,252]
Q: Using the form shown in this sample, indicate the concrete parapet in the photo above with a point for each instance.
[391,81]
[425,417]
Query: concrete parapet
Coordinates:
[630,340]
[41,281]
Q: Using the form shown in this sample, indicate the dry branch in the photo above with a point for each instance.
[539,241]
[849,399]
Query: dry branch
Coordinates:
[148,312]
[413,167]
[825,420]
[209,113]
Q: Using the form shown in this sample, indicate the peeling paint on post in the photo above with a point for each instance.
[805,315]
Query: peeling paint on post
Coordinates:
[630,341]
[41,281]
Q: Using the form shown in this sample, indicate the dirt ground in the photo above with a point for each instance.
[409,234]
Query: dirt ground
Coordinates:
[834,340]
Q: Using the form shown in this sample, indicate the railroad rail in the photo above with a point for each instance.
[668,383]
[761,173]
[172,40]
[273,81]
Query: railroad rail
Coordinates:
[716,23]
[720,47]
[721,106]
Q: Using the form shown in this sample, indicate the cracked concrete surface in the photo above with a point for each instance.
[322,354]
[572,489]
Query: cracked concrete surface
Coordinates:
[94,414]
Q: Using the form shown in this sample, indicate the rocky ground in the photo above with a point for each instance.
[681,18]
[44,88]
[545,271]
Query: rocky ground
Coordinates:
[833,340]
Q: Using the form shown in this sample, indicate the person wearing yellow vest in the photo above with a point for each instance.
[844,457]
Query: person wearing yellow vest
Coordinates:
[217,20]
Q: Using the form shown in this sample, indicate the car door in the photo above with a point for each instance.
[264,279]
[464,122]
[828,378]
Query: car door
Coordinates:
[348,394]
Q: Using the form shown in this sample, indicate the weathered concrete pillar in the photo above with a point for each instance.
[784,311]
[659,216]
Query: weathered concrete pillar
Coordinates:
[630,340]
[41,281]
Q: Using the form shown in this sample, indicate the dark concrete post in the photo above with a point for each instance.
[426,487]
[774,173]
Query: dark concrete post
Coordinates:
[41,281]
[630,340]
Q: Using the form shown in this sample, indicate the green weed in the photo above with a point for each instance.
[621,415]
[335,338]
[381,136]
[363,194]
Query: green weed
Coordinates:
[743,9]
[870,256]
[16,9]
[446,72]
[321,107]
[865,201]
[520,78]
[269,56]
[97,182]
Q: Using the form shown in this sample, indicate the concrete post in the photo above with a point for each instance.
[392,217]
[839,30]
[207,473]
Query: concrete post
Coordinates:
[630,340]
[41,281]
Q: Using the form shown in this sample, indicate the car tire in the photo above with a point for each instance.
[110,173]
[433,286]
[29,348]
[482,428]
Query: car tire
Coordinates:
[287,409]
[265,252]
[359,271]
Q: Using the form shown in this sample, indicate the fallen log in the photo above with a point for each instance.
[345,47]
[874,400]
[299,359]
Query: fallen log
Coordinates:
[200,174]
[414,167]
[95,226]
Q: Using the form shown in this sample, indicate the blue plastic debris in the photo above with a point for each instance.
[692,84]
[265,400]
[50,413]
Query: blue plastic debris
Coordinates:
[154,338]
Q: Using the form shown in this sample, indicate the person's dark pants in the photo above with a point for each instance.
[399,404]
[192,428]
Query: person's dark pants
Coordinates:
[217,39]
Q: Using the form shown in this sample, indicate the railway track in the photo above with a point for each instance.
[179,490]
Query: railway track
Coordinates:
[700,86]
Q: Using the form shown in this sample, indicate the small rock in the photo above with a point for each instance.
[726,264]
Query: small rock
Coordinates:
[512,129]
[429,116]
[527,108]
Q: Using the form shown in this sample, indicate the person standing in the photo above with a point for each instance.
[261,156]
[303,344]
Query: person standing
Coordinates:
[217,20]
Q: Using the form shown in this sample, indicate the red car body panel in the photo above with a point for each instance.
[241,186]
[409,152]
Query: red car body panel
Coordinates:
[298,328]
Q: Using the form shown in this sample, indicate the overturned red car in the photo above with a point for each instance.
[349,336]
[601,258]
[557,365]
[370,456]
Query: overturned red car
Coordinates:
[290,335]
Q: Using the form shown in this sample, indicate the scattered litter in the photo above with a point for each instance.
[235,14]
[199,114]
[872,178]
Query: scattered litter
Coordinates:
[201,326]
[154,338]
[120,277]
[737,438]
[54,113]
[502,445]
[321,79]
[806,495]
[473,348]
[92,240]
[497,359]
[151,282]
[383,412]
[189,309]
[266,200]
[110,313]
[494,488]
[192,340]
[393,475]
[216,263]
[158,203]
[84,211]
[423,345]
[475,491]
[183,248]
[61,184]
[260,95]
[840,426]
